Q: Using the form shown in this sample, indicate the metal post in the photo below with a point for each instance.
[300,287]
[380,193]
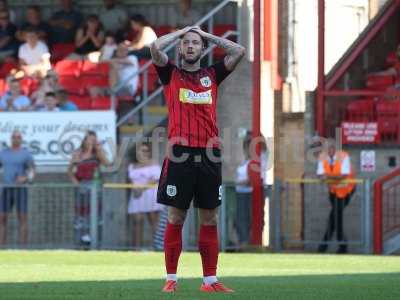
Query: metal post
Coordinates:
[93,217]
[277,217]
[367,216]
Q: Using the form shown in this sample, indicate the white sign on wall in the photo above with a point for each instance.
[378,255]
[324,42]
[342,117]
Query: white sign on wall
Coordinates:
[52,137]
[367,159]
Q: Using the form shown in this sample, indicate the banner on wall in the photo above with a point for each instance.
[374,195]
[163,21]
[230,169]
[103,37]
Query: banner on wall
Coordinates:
[52,137]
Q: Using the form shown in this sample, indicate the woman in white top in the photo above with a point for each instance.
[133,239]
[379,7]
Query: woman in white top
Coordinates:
[143,201]
[145,35]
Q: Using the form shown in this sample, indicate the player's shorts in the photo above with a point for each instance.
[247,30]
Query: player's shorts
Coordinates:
[197,177]
[11,195]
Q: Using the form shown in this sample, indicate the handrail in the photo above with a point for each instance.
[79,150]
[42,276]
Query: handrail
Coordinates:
[378,224]
[160,89]
[144,68]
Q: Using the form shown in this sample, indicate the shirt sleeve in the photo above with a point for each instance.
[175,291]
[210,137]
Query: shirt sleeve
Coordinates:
[345,166]
[320,169]
[220,71]
[165,73]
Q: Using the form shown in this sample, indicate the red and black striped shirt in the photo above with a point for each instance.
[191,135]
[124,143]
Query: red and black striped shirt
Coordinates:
[192,104]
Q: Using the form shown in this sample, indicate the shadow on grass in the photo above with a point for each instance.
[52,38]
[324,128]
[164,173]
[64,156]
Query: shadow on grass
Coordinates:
[349,286]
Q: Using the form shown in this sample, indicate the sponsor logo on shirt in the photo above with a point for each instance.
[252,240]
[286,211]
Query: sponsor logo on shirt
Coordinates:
[205,81]
[188,96]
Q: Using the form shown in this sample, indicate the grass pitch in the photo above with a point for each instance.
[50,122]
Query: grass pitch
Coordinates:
[139,275]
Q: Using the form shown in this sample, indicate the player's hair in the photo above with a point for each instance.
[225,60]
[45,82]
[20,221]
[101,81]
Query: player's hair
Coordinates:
[202,39]
[140,19]
[87,135]
[50,94]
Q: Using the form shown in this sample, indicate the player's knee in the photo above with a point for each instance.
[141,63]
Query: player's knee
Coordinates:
[208,217]
[176,217]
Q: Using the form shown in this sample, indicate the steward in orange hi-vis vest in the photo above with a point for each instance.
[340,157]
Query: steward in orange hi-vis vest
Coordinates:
[333,169]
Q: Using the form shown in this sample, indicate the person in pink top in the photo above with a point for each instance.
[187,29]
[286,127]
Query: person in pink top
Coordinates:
[143,201]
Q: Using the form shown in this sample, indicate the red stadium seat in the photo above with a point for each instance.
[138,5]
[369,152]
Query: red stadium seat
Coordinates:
[101,103]
[94,80]
[90,68]
[163,30]
[391,59]
[379,82]
[220,30]
[388,117]
[29,85]
[362,110]
[152,79]
[72,84]
[61,50]
[68,67]
[3,86]
[6,67]
[83,102]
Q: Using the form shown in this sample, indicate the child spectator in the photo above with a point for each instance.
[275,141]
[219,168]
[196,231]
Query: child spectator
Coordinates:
[145,35]
[50,102]
[34,55]
[64,103]
[14,100]
[109,47]
[90,37]
[48,84]
[34,20]
[8,44]
[64,23]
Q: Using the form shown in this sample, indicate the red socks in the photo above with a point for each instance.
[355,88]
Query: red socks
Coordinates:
[208,247]
[172,247]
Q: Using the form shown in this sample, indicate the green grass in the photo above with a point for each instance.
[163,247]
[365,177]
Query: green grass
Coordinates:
[139,275]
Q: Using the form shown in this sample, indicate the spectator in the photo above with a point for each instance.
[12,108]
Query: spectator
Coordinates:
[109,47]
[8,44]
[83,170]
[34,20]
[14,100]
[64,103]
[48,84]
[90,37]
[113,18]
[4,6]
[185,14]
[64,23]
[18,168]
[50,102]
[335,166]
[143,201]
[123,67]
[145,35]
[34,55]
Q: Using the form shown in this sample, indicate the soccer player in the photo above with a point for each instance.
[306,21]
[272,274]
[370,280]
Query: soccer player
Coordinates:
[192,168]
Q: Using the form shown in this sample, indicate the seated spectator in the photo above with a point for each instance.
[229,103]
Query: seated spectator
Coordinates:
[34,55]
[8,44]
[48,84]
[185,15]
[123,67]
[4,6]
[145,35]
[50,102]
[64,23]
[34,20]
[113,18]
[14,100]
[90,37]
[109,47]
[64,103]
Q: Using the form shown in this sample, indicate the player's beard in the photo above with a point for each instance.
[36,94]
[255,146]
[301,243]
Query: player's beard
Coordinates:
[192,61]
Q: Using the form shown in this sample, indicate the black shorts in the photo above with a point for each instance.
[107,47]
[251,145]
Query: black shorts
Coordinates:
[11,195]
[197,177]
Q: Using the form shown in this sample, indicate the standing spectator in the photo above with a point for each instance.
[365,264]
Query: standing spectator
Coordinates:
[113,18]
[185,14]
[64,103]
[143,202]
[8,44]
[64,23]
[123,67]
[34,20]
[48,84]
[84,170]
[4,6]
[50,102]
[90,37]
[109,47]
[18,168]
[34,55]
[14,100]
[335,166]
[145,35]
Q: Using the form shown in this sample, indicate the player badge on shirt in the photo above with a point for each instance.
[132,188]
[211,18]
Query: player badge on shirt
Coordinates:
[205,81]
[171,190]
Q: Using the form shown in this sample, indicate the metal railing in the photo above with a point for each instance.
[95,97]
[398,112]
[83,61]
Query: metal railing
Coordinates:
[305,220]
[208,20]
